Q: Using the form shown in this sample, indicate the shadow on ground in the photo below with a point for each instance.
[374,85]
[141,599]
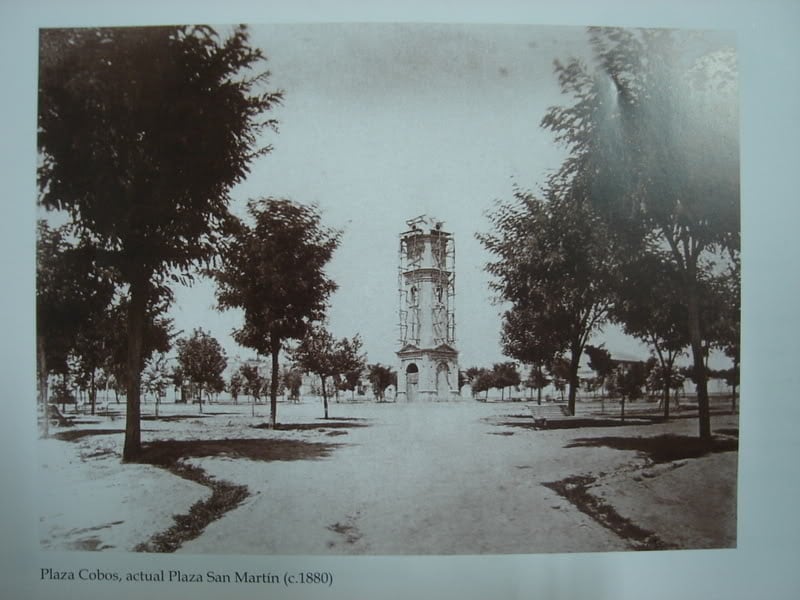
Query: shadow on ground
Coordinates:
[76,434]
[321,426]
[662,448]
[575,489]
[172,418]
[167,452]
[577,423]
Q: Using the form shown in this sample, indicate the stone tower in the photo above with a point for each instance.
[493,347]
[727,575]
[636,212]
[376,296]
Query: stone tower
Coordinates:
[428,368]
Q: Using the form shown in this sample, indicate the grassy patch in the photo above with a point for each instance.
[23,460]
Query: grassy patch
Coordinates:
[166,453]
[173,418]
[73,435]
[577,423]
[312,426]
[575,488]
[225,497]
[661,448]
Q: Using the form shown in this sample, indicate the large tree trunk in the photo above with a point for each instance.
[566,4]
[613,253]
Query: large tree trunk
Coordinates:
[733,388]
[698,361]
[136,316]
[667,388]
[573,378]
[324,396]
[42,373]
[273,385]
[92,392]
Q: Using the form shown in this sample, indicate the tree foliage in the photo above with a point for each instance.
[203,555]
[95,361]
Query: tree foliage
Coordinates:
[626,381]
[203,362]
[381,377]
[156,378]
[142,132]
[505,375]
[274,271]
[235,385]
[349,380]
[325,356]
[292,378]
[650,305]
[652,136]
[480,380]
[537,380]
[72,296]
[253,383]
[555,266]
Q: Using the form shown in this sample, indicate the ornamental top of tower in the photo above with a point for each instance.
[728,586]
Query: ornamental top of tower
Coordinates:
[424,222]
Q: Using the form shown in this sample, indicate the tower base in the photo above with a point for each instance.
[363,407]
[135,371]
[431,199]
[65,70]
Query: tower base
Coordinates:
[427,374]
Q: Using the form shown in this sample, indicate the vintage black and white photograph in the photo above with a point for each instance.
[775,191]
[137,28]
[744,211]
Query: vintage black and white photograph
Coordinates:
[387,289]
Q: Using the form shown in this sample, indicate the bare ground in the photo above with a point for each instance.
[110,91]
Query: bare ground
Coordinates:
[451,478]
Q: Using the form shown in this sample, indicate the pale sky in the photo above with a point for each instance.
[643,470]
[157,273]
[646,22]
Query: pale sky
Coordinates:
[384,122]
[381,123]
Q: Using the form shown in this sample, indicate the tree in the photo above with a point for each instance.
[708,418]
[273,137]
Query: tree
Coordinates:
[178,382]
[349,381]
[142,132]
[649,305]
[555,265]
[380,378]
[664,380]
[505,375]
[254,384]
[526,344]
[320,353]
[600,362]
[293,380]
[537,381]
[652,138]
[203,361]
[157,335]
[72,297]
[722,319]
[626,381]
[156,377]
[481,380]
[235,385]
[560,373]
[274,271]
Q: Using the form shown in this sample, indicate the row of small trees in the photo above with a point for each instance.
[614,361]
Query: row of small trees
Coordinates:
[142,135]
[620,379]
[640,225]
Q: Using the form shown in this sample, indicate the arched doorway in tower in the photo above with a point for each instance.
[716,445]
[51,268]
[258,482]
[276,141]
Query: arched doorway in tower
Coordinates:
[443,381]
[412,379]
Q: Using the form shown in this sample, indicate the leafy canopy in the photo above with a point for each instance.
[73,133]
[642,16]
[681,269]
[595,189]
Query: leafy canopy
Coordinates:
[274,271]
[143,132]
[202,361]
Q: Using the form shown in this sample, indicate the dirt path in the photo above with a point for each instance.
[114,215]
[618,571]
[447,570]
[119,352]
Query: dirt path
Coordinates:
[435,479]
[450,478]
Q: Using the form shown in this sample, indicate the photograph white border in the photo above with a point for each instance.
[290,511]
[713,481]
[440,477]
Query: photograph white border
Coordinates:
[766,558]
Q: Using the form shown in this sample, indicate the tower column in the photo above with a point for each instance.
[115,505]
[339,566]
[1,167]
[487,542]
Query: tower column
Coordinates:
[428,359]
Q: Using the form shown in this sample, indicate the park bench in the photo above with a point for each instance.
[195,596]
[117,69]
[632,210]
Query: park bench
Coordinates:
[542,412]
